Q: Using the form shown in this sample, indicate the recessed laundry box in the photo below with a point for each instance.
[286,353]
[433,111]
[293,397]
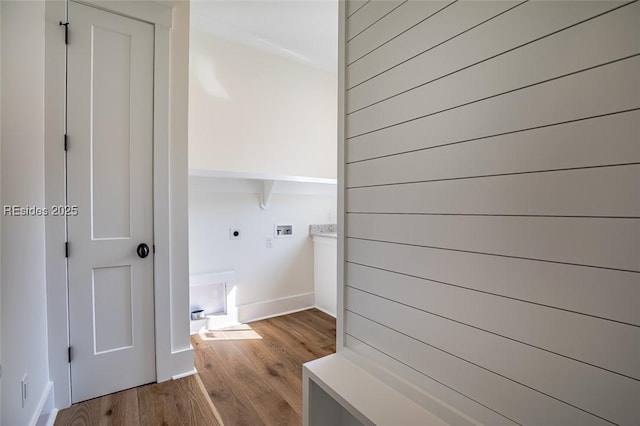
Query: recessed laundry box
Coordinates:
[213,293]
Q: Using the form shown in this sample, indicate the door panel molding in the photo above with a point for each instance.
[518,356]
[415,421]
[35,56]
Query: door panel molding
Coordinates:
[174,357]
[110,181]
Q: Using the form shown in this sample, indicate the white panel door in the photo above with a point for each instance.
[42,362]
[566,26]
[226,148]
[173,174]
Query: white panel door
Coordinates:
[109,178]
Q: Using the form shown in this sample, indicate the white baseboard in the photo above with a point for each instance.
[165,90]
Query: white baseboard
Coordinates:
[45,413]
[333,314]
[276,307]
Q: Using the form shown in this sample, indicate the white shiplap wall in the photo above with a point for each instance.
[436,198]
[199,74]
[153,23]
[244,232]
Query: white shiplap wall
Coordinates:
[492,204]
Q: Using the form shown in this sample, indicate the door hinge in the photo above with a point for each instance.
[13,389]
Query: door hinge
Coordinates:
[66,31]
[66,143]
[69,354]
[66,249]
[154,248]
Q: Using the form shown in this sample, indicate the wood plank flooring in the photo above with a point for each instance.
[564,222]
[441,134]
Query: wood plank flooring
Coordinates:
[252,375]
[176,402]
[259,381]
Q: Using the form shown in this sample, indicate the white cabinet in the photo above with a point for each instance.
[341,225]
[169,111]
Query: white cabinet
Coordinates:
[325,275]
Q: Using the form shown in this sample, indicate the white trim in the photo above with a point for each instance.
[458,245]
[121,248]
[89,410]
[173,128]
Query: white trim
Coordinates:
[256,186]
[181,363]
[367,397]
[342,43]
[161,208]
[45,408]
[259,176]
[325,311]
[52,417]
[51,420]
[151,11]
[274,308]
[185,374]
[55,227]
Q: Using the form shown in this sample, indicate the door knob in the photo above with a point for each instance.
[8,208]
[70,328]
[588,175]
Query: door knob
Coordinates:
[143,250]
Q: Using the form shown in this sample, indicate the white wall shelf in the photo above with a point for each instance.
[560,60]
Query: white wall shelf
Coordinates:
[263,184]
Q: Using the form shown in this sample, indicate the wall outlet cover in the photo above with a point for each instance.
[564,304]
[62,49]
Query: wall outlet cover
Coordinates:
[24,389]
[281,231]
[235,233]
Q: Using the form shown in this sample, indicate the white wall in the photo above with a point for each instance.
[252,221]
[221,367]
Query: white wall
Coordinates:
[55,226]
[24,336]
[263,274]
[253,111]
[491,230]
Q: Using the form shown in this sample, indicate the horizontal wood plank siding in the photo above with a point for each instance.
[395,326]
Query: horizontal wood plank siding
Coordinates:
[590,191]
[602,141]
[595,292]
[492,202]
[536,30]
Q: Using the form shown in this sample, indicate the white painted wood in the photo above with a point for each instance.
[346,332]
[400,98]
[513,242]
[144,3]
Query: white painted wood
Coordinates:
[258,176]
[598,292]
[110,128]
[606,140]
[590,191]
[341,172]
[55,192]
[516,402]
[353,6]
[159,13]
[580,337]
[364,396]
[276,307]
[45,413]
[112,138]
[524,23]
[255,186]
[325,259]
[168,291]
[537,62]
[265,194]
[325,410]
[598,91]
[507,317]
[436,30]
[368,15]
[608,395]
[410,14]
[420,388]
[605,243]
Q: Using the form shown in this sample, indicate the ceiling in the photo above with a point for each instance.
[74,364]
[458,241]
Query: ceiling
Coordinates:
[305,30]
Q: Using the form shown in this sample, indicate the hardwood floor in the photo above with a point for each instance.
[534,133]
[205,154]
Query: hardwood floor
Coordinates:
[252,375]
[176,402]
[259,381]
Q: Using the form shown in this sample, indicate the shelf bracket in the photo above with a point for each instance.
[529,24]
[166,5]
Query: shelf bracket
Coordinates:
[267,190]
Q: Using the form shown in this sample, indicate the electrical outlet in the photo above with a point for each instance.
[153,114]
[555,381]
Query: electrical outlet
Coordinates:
[24,389]
[269,242]
[234,233]
[280,231]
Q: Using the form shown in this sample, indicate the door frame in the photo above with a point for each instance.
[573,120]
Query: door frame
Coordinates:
[174,355]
